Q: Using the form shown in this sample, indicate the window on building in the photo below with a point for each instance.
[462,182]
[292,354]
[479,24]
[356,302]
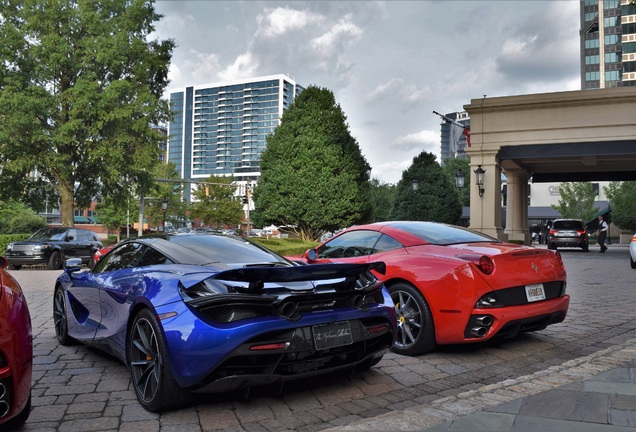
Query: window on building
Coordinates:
[593,59]
[612,58]
[592,43]
[611,39]
[611,4]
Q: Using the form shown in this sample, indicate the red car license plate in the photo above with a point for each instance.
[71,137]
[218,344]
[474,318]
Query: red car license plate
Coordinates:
[332,335]
[535,292]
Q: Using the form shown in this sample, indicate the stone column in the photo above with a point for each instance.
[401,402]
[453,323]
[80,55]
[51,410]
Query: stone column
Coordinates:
[517,206]
[485,211]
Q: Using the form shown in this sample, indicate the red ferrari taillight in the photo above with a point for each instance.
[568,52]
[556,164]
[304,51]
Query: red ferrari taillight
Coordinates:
[486,265]
[483,262]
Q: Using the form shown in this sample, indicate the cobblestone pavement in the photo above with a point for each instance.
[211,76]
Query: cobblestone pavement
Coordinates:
[80,389]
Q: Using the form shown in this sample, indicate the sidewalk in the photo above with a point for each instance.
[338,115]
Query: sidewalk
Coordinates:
[595,393]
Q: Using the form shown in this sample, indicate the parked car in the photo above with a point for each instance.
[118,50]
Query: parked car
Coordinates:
[99,254]
[632,252]
[51,246]
[193,313]
[16,352]
[452,285]
[568,233]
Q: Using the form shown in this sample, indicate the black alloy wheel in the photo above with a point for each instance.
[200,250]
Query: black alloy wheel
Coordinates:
[55,261]
[150,367]
[60,318]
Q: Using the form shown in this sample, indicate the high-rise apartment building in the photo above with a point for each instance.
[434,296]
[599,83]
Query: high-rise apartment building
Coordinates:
[453,139]
[608,43]
[220,129]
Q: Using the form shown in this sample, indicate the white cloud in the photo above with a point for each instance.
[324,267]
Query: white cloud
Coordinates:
[342,33]
[425,140]
[245,66]
[282,20]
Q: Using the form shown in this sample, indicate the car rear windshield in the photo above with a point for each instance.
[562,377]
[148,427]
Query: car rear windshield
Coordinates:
[568,225]
[202,249]
[440,234]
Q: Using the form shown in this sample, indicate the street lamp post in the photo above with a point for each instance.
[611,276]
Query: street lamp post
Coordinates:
[164,207]
[415,185]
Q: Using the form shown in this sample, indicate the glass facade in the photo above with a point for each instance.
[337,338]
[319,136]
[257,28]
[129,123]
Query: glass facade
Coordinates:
[221,129]
[608,41]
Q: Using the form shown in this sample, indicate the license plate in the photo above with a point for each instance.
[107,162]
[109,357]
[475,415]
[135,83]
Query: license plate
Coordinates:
[332,335]
[535,292]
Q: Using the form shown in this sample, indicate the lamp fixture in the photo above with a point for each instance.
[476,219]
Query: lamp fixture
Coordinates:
[479,172]
[459,179]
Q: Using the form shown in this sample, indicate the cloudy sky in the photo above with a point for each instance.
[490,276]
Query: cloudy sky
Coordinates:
[389,64]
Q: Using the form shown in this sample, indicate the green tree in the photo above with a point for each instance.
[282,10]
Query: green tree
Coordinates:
[382,195]
[622,196]
[452,167]
[16,218]
[216,204]
[314,177]
[576,201]
[114,216]
[436,198]
[80,88]
[169,191]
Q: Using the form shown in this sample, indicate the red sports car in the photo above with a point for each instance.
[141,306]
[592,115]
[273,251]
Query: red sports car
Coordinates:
[16,352]
[453,285]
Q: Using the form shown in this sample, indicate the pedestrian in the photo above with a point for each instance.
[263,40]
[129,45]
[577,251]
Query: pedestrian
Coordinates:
[602,234]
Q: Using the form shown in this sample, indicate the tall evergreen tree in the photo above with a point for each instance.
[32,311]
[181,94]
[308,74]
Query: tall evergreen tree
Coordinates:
[80,88]
[436,198]
[314,176]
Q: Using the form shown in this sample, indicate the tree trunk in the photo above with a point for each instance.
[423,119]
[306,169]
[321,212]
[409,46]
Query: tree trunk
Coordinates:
[68,204]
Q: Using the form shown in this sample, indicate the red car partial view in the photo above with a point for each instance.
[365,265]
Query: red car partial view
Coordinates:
[99,254]
[16,352]
[452,285]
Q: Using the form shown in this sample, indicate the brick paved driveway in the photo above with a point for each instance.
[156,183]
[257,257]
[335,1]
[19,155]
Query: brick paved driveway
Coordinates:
[79,389]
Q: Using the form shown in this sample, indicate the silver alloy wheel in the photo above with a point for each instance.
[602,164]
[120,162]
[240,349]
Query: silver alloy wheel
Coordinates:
[145,360]
[409,317]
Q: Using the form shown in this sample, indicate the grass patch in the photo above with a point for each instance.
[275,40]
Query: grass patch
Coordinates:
[284,246]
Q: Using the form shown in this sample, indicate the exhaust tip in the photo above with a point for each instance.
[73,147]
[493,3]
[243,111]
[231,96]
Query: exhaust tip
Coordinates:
[479,331]
[357,301]
[485,320]
[287,309]
[4,408]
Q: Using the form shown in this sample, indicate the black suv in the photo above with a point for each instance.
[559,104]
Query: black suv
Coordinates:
[51,246]
[568,233]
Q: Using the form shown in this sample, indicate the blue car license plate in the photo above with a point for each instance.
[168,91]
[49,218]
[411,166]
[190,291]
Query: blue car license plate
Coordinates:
[332,335]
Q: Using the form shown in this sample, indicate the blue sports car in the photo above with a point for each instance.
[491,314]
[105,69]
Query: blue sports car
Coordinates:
[200,313]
